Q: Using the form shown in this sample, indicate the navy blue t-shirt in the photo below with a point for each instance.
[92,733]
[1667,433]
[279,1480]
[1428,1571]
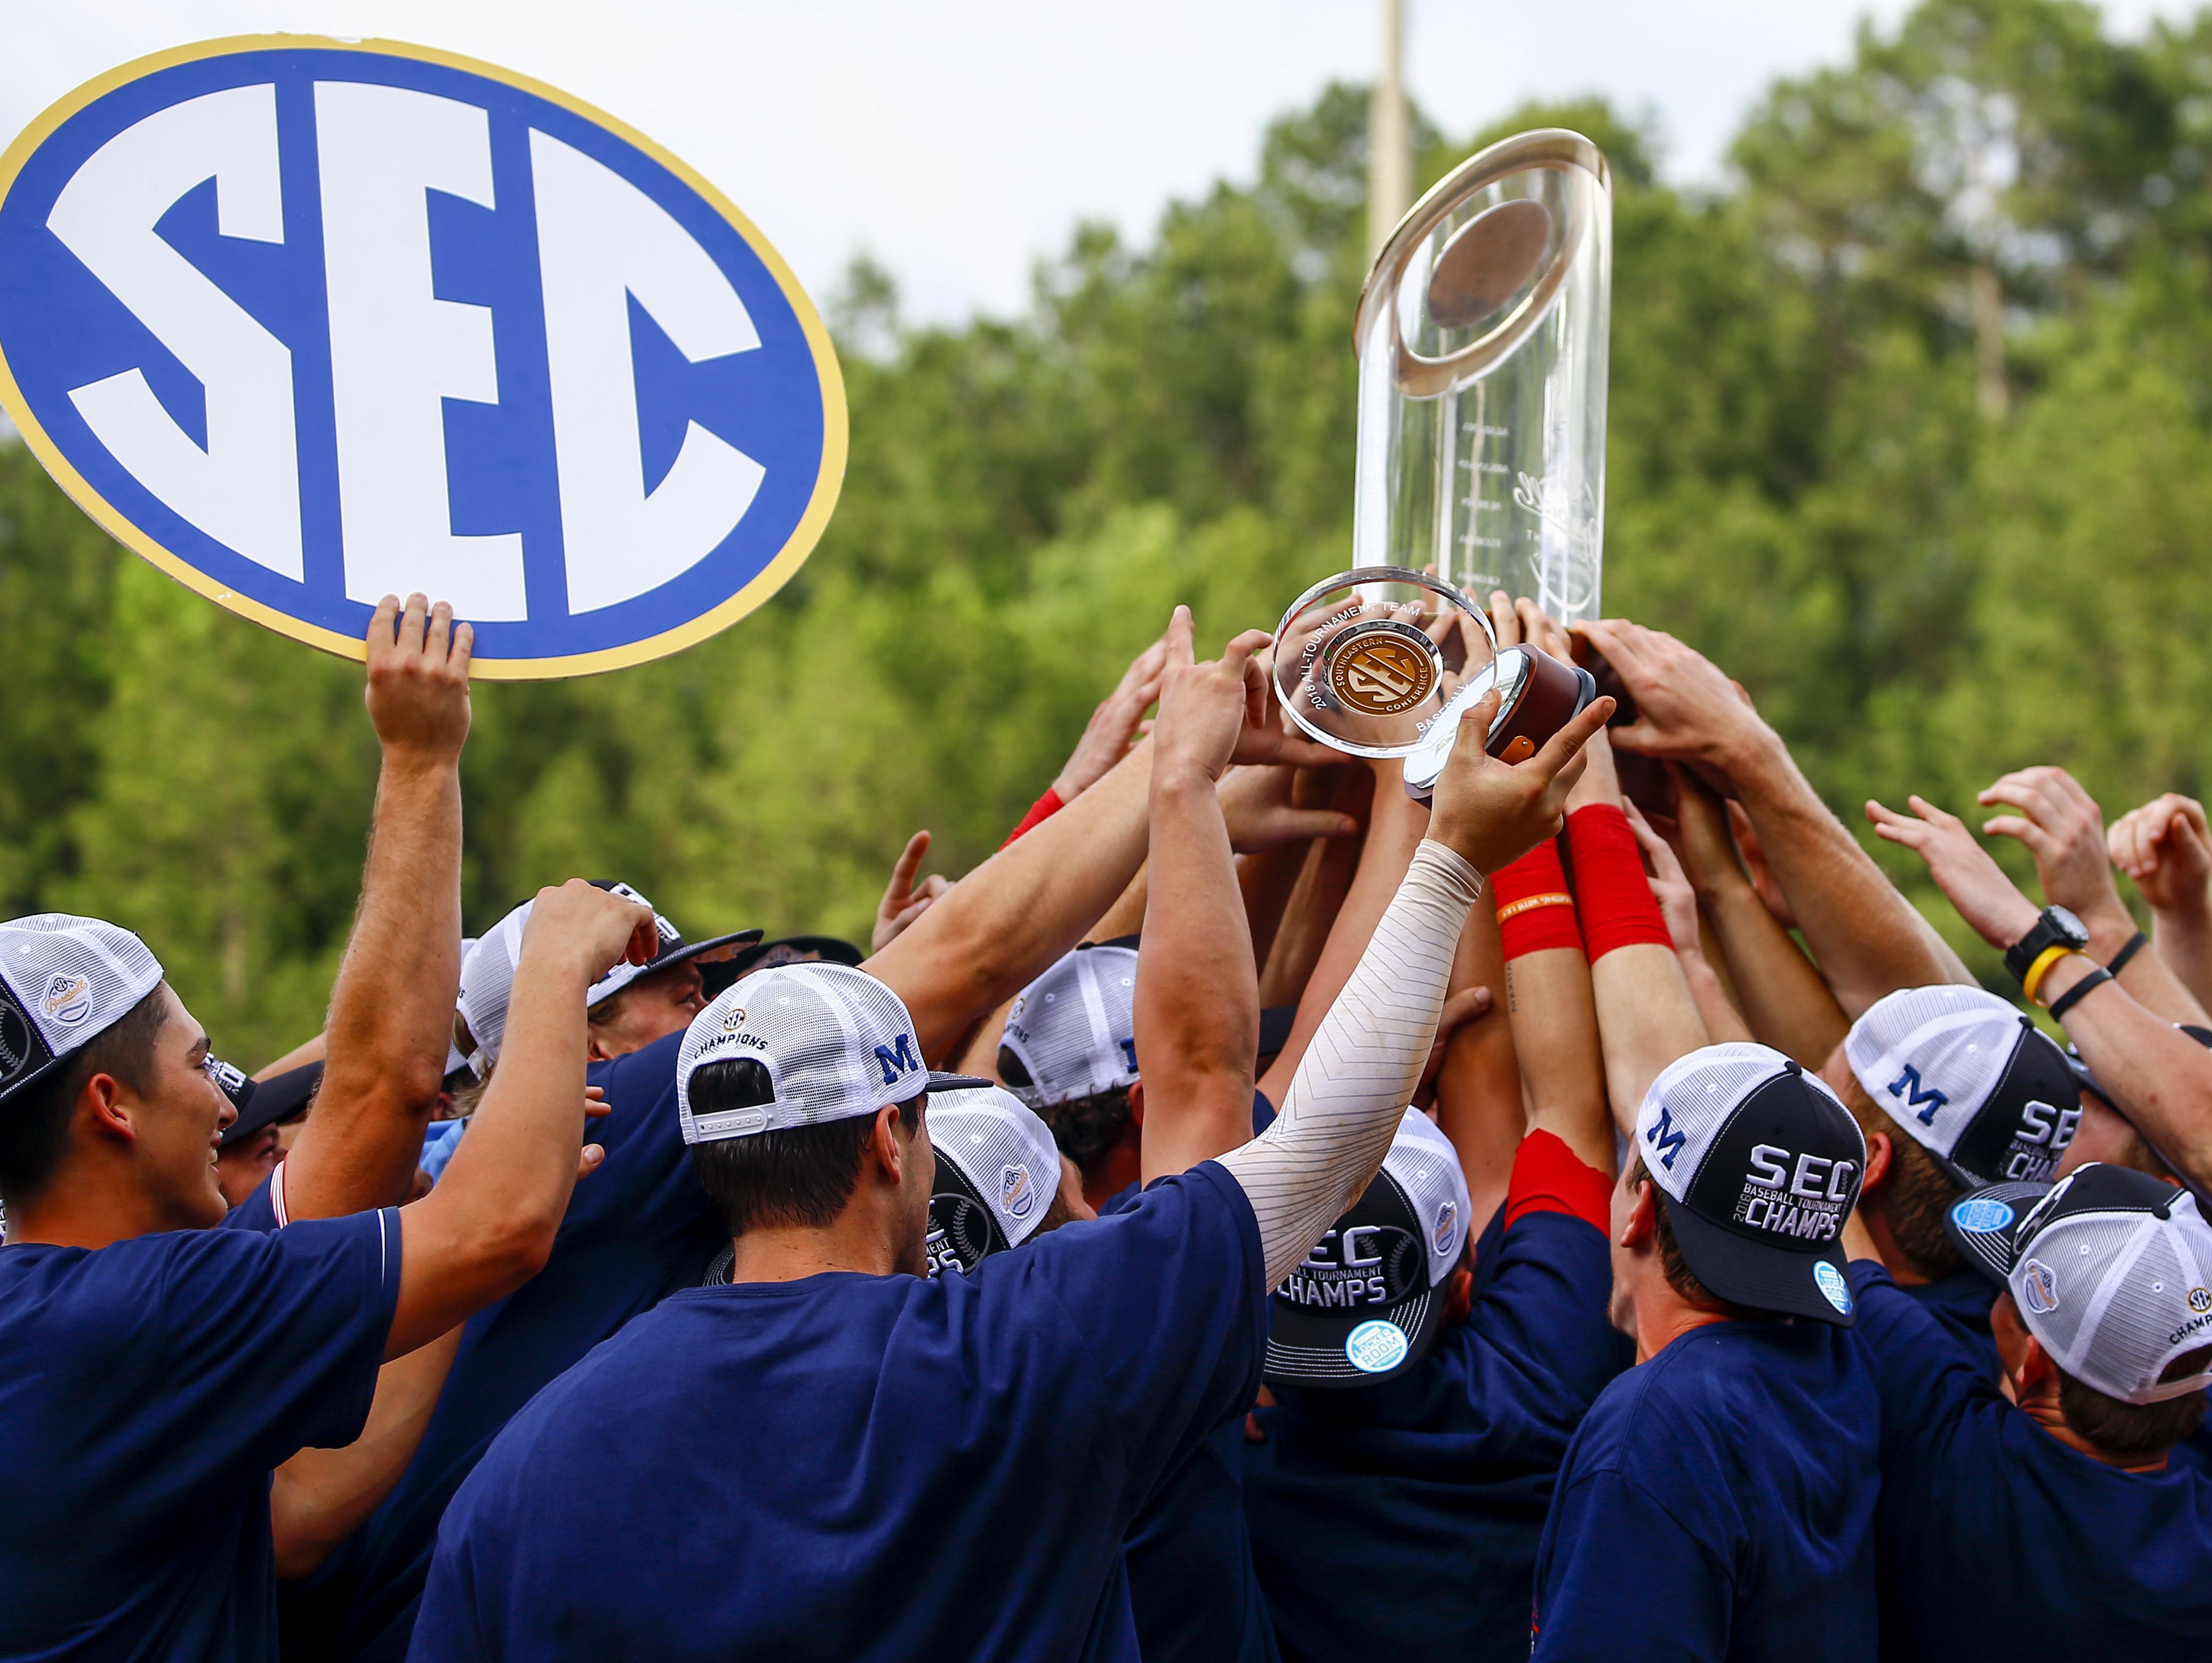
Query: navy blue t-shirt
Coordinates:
[149,1390]
[1192,1587]
[1961,1304]
[636,1229]
[1401,1519]
[854,1468]
[1997,1540]
[1719,1503]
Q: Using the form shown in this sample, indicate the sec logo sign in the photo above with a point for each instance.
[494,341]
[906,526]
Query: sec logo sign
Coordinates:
[306,323]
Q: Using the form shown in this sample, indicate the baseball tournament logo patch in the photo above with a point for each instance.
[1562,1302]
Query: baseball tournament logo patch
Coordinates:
[1803,1197]
[2038,1286]
[1375,1347]
[1440,1234]
[67,1000]
[1017,1195]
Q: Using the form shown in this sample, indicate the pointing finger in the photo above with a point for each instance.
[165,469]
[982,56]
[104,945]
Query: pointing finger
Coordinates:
[1572,736]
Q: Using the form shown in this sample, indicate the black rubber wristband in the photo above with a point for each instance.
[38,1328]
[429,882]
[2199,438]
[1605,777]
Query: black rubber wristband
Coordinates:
[2072,996]
[2137,943]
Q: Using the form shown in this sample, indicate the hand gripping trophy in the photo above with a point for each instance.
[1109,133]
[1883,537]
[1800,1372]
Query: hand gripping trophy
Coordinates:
[1481,336]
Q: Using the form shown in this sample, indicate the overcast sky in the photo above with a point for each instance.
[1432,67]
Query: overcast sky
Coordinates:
[958,140]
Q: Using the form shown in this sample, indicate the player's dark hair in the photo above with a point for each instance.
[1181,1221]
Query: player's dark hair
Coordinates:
[2135,1432]
[1915,1193]
[34,1122]
[1087,1129]
[1676,1269]
[794,1175]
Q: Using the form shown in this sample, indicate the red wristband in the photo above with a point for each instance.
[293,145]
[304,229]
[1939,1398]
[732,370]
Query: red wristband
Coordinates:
[1534,909]
[1613,895]
[1549,1177]
[1040,811]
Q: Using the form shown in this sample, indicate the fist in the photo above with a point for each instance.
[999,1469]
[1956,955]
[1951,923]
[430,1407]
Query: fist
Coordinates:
[592,929]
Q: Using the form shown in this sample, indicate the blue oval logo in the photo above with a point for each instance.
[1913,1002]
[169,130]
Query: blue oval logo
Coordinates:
[306,323]
[1375,1347]
[1982,1215]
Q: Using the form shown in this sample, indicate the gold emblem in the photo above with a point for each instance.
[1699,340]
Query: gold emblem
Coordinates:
[1377,670]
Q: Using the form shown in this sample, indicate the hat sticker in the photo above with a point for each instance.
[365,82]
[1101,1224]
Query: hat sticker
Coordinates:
[68,998]
[1017,1195]
[1981,1215]
[2039,1287]
[1833,1288]
[1375,1347]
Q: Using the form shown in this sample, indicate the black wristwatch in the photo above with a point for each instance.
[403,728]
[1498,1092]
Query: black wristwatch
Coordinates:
[2056,927]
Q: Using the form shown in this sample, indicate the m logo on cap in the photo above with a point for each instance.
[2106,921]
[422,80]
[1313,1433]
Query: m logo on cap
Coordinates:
[896,1058]
[67,1000]
[1666,1138]
[1909,1080]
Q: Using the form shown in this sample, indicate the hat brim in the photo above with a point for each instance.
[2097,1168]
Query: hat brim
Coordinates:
[957,1083]
[1308,1349]
[1746,1273]
[691,949]
[277,1098]
[1992,1248]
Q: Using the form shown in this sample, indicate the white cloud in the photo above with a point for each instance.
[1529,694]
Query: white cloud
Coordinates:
[960,139]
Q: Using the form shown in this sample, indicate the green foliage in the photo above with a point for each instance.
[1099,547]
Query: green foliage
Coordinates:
[1910,428]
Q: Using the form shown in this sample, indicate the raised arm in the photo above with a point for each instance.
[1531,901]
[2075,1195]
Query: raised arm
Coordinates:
[2155,1075]
[1478,1083]
[391,1011]
[1198,990]
[488,1227]
[2166,848]
[2064,830]
[1786,1004]
[1678,905]
[1344,1104]
[1866,938]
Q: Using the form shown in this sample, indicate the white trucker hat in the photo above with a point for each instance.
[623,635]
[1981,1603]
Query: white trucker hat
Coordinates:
[1969,1079]
[64,980]
[1072,1032]
[1365,1305]
[823,1042]
[1758,1164]
[998,1169]
[487,968]
[2111,1270]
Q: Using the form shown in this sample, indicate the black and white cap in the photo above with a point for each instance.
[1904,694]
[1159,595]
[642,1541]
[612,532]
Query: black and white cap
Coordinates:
[1969,1079]
[2111,1270]
[1758,1165]
[262,1103]
[63,980]
[816,1042]
[998,1169]
[1365,1305]
[1072,1032]
[487,970]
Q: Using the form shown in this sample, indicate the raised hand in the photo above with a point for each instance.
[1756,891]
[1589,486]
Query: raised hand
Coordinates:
[1685,706]
[2064,830]
[2166,848]
[1490,813]
[1671,885]
[594,927]
[1209,712]
[1112,727]
[1962,868]
[418,680]
[1256,803]
[903,901]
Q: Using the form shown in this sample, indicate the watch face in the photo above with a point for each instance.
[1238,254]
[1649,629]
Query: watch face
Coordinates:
[2069,927]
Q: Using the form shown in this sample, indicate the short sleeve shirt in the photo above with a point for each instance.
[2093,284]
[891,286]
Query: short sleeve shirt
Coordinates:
[152,1388]
[1439,1481]
[636,1229]
[1997,1540]
[862,1468]
[1719,1503]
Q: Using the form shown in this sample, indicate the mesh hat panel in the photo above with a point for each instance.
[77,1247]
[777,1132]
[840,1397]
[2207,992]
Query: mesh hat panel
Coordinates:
[1075,1028]
[73,976]
[1686,1106]
[1002,1149]
[488,981]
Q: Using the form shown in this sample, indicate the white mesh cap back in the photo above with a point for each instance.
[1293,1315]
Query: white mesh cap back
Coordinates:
[1935,1057]
[70,978]
[487,983]
[835,1043]
[2116,1296]
[1691,1101]
[1006,1154]
[1427,1168]
[1073,1029]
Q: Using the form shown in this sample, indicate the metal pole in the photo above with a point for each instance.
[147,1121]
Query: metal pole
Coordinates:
[1390,136]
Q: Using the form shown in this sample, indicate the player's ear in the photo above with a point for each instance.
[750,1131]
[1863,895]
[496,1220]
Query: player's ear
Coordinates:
[1642,1224]
[1137,1103]
[1880,1152]
[890,1153]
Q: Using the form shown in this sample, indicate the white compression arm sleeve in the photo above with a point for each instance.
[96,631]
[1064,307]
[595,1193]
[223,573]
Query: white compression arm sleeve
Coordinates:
[1355,1079]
